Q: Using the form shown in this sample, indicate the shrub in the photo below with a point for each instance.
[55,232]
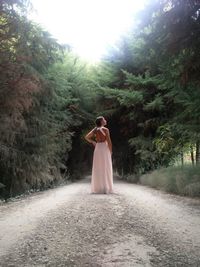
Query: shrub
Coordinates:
[180,180]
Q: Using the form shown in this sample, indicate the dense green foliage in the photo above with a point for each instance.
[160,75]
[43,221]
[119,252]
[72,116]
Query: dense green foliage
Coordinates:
[148,88]
[41,98]
[153,87]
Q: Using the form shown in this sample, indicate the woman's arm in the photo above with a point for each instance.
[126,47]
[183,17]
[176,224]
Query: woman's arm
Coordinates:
[89,137]
[109,140]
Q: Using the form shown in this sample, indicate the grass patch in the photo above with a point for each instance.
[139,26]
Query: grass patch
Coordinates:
[179,180]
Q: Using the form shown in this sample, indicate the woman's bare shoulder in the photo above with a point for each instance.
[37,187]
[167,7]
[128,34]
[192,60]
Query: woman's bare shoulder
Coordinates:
[105,129]
[94,130]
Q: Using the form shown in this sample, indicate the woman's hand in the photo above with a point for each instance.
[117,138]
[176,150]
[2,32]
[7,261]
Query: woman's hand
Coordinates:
[109,140]
[94,143]
[89,138]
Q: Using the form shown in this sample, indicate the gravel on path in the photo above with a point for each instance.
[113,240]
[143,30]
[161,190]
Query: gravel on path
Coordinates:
[68,226]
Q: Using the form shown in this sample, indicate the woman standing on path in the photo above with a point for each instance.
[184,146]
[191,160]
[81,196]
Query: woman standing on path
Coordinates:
[102,172]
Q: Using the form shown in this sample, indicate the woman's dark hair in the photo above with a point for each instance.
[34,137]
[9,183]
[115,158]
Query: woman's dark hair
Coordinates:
[98,121]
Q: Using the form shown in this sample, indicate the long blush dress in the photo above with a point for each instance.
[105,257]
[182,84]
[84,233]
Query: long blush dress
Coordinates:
[102,172]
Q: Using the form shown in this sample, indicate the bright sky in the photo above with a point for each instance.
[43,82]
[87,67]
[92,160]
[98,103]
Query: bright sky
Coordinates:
[89,26]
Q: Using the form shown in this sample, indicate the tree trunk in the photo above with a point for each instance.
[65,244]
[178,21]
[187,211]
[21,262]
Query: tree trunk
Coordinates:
[192,155]
[197,152]
[182,158]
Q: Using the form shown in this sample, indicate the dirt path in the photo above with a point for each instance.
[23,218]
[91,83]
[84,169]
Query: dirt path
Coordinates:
[68,226]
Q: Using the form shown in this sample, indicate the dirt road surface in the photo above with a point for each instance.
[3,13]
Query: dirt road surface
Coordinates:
[68,226]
